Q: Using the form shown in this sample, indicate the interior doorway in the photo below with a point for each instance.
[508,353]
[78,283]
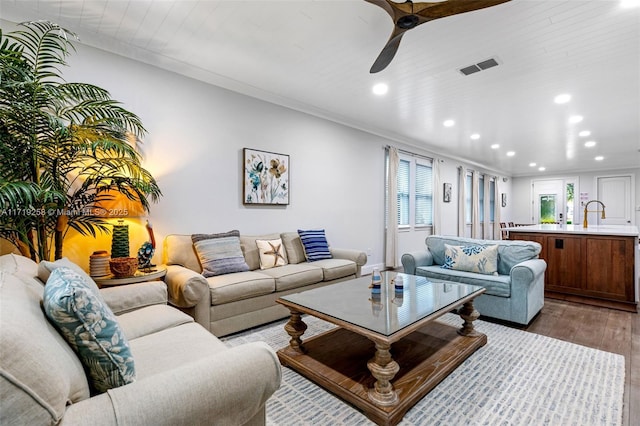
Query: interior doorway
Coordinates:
[615,193]
[553,200]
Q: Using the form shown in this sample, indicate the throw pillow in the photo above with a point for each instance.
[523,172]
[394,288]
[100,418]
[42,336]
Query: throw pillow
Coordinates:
[473,258]
[45,268]
[90,327]
[219,254]
[315,244]
[272,253]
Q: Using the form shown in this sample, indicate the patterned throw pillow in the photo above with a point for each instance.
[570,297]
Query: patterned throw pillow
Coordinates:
[91,329]
[219,254]
[315,244]
[272,253]
[474,258]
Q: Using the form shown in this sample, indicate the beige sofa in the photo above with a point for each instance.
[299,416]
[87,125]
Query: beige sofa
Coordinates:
[185,375]
[229,303]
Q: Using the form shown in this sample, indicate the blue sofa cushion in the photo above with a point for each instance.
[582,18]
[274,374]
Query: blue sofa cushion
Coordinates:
[510,253]
[496,285]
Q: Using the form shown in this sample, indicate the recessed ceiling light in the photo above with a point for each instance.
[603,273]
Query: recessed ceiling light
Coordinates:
[532,164]
[584,133]
[475,136]
[448,123]
[562,99]
[590,144]
[380,89]
[495,146]
[511,153]
[599,158]
[575,119]
[542,169]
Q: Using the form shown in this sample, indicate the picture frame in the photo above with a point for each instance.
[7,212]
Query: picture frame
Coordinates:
[265,178]
[446,193]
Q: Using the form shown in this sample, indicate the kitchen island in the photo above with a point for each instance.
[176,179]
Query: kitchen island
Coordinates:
[597,265]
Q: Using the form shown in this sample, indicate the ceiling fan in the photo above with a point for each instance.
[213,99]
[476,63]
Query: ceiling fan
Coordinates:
[409,15]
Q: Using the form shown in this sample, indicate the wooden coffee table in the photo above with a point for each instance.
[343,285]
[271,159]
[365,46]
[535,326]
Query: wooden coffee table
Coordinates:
[387,352]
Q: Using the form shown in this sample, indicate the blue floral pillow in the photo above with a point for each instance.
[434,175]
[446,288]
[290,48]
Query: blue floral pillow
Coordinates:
[474,258]
[90,328]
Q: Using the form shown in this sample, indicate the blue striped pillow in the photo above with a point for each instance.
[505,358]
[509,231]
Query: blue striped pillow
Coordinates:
[219,254]
[315,244]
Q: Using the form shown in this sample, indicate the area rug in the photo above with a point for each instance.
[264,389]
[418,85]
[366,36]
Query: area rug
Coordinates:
[517,378]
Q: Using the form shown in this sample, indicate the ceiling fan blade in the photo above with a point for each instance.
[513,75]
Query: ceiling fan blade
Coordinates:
[409,15]
[431,11]
[388,52]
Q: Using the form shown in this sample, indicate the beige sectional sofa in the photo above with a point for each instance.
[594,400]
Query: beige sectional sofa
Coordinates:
[184,374]
[228,303]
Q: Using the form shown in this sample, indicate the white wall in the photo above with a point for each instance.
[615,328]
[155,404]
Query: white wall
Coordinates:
[586,183]
[196,133]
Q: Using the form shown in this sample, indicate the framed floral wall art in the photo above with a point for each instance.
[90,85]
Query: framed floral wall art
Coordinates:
[265,178]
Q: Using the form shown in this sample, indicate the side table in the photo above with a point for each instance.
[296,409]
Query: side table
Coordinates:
[156,273]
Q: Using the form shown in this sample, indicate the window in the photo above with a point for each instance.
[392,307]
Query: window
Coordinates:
[415,192]
[468,198]
[403,192]
[481,198]
[492,200]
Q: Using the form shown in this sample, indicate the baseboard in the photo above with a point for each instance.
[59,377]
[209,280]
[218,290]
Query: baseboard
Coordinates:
[368,269]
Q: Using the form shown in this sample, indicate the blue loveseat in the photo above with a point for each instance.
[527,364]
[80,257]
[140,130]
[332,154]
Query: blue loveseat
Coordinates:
[515,293]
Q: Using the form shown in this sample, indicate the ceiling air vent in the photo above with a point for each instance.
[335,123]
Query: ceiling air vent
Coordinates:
[480,66]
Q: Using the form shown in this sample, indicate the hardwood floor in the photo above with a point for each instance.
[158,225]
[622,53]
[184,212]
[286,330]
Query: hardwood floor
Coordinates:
[600,328]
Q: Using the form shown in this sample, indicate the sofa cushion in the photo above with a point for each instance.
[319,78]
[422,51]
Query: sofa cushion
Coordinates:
[334,269]
[41,374]
[179,250]
[22,267]
[219,254]
[510,253]
[45,268]
[149,320]
[174,347]
[294,276]
[315,244]
[496,285]
[472,258]
[241,285]
[250,248]
[272,253]
[293,247]
[89,326]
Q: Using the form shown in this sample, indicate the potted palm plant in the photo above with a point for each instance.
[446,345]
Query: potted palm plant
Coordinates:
[65,148]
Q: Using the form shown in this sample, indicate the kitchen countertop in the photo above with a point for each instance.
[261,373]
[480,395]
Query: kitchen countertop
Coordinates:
[620,230]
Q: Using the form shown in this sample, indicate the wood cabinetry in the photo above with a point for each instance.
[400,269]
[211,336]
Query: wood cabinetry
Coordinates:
[594,269]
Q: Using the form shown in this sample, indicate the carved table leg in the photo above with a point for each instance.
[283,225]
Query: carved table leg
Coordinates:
[295,328]
[469,314]
[383,368]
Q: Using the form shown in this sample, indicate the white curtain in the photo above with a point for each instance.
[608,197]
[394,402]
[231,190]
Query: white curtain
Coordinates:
[462,177]
[391,235]
[437,197]
[475,196]
[486,224]
[497,232]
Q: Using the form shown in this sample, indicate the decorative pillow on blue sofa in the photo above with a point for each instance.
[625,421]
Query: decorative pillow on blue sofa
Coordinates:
[315,244]
[90,327]
[220,254]
[473,258]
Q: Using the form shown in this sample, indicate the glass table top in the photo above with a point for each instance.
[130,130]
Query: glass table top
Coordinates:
[390,310]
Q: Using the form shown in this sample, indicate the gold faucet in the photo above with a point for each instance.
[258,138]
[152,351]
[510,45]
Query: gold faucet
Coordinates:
[584,222]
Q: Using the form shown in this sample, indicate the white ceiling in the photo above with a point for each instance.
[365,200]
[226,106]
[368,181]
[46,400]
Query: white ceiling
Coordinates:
[315,56]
